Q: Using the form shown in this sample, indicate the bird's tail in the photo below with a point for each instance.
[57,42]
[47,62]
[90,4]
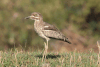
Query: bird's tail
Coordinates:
[66,40]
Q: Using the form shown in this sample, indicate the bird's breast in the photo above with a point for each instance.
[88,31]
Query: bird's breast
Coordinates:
[38,28]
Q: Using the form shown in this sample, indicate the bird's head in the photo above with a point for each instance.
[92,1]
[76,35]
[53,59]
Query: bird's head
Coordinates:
[35,16]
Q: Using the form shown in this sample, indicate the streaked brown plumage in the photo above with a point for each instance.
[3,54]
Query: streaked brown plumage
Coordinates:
[46,30]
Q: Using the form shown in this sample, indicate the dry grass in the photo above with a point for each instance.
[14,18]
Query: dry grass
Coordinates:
[34,59]
[21,58]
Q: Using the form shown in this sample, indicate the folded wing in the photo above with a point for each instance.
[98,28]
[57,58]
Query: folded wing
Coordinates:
[52,32]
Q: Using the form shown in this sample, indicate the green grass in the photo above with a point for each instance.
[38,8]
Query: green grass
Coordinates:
[34,59]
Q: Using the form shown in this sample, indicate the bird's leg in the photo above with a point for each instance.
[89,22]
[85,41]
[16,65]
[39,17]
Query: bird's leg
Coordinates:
[47,45]
[45,50]
[44,54]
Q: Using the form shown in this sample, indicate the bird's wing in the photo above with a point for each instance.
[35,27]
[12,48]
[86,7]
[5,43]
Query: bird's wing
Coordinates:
[48,26]
[51,31]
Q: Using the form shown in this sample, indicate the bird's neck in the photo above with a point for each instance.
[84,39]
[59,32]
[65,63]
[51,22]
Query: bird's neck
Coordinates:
[37,24]
[40,20]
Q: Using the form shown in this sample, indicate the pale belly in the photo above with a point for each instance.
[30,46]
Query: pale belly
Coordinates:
[40,33]
[38,29]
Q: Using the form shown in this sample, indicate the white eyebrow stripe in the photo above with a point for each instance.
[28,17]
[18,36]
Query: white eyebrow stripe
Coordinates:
[31,16]
[46,26]
[36,17]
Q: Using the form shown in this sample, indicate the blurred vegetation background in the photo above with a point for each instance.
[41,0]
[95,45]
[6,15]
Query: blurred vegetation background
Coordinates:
[15,31]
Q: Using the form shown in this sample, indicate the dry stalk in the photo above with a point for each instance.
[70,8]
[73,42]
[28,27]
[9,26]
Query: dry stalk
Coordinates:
[79,58]
[59,60]
[26,65]
[0,59]
[58,66]
[16,58]
[46,65]
[90,60]
[37,61]
[71,60]
[62,62]
[98,62]
[91,50]
[66,58]
[98,44]
[0,56]
[21,51]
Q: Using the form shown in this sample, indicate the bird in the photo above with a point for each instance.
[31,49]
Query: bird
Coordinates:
[46,30]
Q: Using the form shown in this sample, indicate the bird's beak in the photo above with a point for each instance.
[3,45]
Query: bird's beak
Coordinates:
[27,17]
